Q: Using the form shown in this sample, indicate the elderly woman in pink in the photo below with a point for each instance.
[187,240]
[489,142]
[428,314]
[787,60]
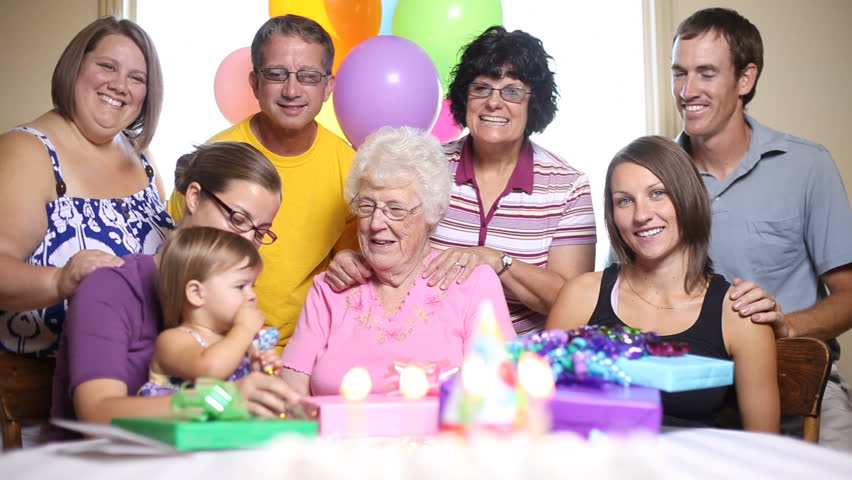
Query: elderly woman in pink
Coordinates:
[399,187]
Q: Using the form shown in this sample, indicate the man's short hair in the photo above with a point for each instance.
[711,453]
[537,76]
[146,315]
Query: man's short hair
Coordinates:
[292,25]
[742,36]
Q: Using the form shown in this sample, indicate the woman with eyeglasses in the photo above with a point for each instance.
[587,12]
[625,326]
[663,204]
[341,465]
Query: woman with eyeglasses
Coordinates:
[77,187]
[115,317]
[399,188]
[515,207]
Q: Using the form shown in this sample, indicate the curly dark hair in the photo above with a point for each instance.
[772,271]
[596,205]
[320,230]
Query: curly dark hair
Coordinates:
[497,53]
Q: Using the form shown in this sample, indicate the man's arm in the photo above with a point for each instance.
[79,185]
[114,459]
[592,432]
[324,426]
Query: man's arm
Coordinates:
[829,317]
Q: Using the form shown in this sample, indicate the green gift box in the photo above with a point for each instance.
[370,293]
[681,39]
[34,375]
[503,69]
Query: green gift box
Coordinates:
[215,434]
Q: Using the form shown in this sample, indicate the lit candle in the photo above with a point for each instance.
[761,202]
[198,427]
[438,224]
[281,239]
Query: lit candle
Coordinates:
[474,381]
[355,387]
[536,380]
[413,383]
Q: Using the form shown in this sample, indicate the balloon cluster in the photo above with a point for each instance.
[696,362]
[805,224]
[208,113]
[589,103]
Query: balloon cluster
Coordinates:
[392,60]
[588,355]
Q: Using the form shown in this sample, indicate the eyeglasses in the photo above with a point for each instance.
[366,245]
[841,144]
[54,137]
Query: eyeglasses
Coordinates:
[365,208]
[242,223]
[281,75]
[510,94]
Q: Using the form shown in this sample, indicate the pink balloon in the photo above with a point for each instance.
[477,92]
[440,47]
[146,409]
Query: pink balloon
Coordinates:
[446,129]
[386,80]
[231,88]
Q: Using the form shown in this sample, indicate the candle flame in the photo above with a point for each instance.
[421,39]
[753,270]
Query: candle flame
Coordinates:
[535,376]
[413,383]
[356,384]
[474,375]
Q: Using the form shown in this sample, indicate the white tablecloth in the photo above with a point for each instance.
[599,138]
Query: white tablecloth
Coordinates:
[685,454]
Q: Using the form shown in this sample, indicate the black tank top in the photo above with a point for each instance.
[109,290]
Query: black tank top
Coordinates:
[693,407]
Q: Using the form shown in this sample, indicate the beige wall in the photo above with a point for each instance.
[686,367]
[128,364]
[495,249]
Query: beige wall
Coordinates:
[805,86]
[33,34]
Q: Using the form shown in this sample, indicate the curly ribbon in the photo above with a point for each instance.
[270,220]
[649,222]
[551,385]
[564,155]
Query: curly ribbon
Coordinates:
[209,399]
[436,372]
[265,338]
[588,354]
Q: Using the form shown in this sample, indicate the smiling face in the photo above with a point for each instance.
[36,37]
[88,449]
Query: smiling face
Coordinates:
[110,88]
[706,87]
[644,214]
[257,203]
[393,248]
[226,291]
[494,121]
[289,105]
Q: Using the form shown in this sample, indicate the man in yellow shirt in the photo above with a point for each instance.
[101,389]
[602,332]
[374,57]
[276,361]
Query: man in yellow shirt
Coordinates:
[291,78]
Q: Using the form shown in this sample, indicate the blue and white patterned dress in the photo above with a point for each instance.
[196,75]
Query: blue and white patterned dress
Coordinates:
[120,226]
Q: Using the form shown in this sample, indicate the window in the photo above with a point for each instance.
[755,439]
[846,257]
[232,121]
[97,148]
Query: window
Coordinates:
[597,47]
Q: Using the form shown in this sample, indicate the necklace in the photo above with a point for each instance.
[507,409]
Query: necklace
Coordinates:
[660,307]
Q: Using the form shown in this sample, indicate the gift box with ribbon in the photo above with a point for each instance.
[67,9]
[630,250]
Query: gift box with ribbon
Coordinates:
[610,408]
[596,355]
[676,374]
[212,416]
[377,415]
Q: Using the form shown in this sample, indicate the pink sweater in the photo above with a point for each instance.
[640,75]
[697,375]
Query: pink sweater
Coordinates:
[337,331]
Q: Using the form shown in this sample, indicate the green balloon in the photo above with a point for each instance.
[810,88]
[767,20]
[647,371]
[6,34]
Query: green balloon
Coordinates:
[443,27]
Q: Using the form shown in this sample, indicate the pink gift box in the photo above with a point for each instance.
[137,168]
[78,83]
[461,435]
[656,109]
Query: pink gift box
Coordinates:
[377,415]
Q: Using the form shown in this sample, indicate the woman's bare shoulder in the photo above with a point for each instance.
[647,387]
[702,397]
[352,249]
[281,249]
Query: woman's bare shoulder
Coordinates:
[576,301]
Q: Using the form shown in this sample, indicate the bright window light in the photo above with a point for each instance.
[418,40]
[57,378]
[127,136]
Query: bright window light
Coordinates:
[597,48]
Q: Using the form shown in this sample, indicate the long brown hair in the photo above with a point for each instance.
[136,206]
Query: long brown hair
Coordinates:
[141,130]
[672,165]
[197,253]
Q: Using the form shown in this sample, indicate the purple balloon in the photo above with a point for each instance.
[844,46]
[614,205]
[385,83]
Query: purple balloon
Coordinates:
[386,80]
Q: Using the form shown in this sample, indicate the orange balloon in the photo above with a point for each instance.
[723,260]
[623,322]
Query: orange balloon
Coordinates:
[354,20]
[231,88]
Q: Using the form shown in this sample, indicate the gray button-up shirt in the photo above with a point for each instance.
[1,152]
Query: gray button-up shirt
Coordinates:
[781,218]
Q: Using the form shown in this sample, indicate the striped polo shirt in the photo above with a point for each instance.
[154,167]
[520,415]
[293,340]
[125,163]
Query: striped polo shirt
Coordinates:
[546,203]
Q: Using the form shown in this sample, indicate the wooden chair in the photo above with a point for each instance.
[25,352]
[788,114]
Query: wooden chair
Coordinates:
[803,368]
[25,390]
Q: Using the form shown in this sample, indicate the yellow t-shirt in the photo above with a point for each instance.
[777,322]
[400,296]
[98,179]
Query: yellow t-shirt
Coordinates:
[313,221]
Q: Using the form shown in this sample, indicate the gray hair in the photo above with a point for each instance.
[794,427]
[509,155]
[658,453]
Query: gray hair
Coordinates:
[395,157]
[292,25]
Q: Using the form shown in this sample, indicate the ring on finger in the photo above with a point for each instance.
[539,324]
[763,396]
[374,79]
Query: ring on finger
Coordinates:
[773,304]
[458,264]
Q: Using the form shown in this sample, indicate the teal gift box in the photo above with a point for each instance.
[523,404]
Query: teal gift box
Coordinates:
[677,374]
[215,434]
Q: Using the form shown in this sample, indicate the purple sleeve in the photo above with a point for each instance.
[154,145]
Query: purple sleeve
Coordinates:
[483,284]
[97,327]
[311,334]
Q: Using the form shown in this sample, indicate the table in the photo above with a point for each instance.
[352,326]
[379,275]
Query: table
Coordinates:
[684,454]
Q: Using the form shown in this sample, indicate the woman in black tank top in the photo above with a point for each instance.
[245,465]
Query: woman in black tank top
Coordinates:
[658,218]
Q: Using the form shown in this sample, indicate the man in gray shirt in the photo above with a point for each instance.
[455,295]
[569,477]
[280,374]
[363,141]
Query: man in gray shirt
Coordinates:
[781,216]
